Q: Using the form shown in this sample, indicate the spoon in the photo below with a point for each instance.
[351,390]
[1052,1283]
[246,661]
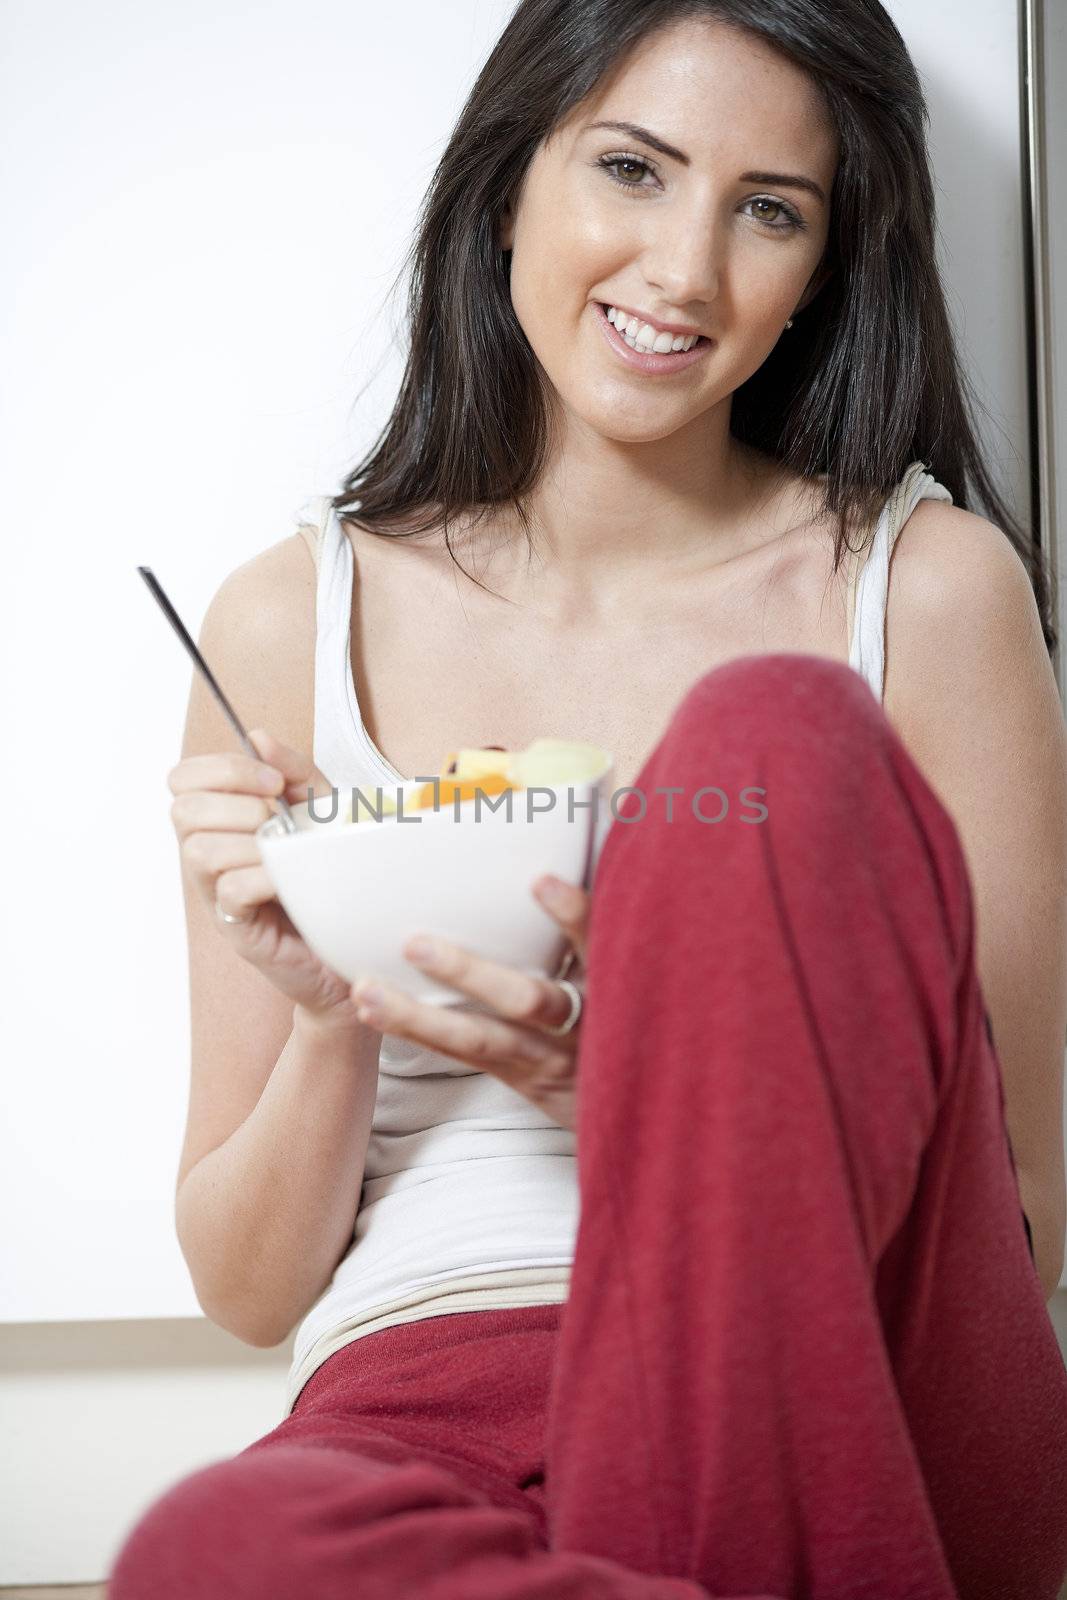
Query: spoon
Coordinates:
[283,822]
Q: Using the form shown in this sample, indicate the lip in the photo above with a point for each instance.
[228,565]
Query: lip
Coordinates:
[671,361]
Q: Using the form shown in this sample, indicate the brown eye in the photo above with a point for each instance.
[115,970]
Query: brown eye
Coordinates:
[775,214]
[635,165]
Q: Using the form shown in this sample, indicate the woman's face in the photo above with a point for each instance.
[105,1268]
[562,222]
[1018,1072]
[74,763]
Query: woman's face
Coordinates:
[724,237]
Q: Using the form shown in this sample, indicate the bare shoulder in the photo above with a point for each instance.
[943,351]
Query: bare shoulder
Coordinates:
[942,550]
[258,637]
[960,614]
[279,575]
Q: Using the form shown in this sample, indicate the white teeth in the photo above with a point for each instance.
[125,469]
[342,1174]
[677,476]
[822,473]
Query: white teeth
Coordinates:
[643,336]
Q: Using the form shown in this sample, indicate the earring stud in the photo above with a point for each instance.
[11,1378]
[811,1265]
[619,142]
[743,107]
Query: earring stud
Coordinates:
[789,322]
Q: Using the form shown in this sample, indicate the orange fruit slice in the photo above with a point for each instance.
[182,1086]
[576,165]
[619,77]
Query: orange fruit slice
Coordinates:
[449,789]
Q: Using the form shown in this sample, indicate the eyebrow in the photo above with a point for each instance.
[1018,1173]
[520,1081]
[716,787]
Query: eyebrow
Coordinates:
[785,180]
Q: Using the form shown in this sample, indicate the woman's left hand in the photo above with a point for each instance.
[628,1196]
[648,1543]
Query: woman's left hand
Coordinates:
[512,1046]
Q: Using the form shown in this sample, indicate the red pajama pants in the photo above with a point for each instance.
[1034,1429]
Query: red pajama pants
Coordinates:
[806,1354]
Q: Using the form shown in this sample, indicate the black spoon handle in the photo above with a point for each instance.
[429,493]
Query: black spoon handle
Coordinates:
[285,815]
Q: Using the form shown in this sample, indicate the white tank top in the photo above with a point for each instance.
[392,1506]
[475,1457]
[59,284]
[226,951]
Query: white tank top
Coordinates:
[868,605]
[470,1193]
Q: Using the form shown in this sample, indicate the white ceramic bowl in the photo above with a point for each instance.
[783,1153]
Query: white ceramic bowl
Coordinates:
[357,892]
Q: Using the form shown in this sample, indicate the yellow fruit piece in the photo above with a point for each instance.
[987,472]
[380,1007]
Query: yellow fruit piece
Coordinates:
[553,762]
[548,763]
[482,763]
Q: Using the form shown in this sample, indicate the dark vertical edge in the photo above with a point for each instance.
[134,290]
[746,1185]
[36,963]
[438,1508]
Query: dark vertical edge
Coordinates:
[1042,474]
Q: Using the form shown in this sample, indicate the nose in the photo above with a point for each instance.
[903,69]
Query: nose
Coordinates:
[682,260]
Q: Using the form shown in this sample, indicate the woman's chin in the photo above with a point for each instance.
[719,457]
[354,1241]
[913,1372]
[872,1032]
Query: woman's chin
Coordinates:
[634,425]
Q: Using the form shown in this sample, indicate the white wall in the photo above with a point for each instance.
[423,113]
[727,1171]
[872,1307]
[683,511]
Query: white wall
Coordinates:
[967,53]
[209,207]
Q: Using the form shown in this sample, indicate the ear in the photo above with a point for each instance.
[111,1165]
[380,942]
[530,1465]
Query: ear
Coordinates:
[506,228]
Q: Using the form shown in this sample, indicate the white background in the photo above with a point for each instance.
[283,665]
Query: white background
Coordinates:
[205,207]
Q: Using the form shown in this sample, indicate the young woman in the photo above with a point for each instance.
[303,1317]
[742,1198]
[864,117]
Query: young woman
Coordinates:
[719,1267]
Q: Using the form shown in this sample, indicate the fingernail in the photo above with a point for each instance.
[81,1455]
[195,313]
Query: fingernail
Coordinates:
[421,950]
[372,993]
[553,894]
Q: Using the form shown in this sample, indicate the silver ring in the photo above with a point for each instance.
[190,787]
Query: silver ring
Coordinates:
[576,1007]
[224,916]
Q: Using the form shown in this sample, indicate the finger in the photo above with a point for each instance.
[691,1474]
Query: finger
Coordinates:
[568,904]
[224,771]
[486,1042]
[299,770]
[241,890]
[521,997]
[205,810]
[213,853]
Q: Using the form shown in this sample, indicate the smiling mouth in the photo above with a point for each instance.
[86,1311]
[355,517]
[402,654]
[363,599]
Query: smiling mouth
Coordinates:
[650,363]
[647,349]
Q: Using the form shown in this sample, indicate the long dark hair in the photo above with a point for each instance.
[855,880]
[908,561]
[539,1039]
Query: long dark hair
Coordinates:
[868,379]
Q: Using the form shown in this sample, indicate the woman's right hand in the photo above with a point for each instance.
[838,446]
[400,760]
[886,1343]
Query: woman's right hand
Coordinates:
[219,803]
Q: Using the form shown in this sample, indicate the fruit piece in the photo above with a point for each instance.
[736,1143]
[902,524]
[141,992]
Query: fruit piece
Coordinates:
[450,789]
[548,763]
[483,763]
[451,763]
[544,761]
[553,762]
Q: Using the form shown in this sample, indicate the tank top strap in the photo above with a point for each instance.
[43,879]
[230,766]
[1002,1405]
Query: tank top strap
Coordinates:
[312,517]
[867,645]
[333,617]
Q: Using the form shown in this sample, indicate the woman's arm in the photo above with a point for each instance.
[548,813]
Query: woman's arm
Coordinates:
[971,690]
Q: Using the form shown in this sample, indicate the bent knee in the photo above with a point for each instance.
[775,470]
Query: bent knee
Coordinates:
[750,699]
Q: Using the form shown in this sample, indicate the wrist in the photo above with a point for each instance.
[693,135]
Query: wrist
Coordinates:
[339,1021]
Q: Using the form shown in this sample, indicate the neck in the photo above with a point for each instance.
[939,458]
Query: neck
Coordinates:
[608,514]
